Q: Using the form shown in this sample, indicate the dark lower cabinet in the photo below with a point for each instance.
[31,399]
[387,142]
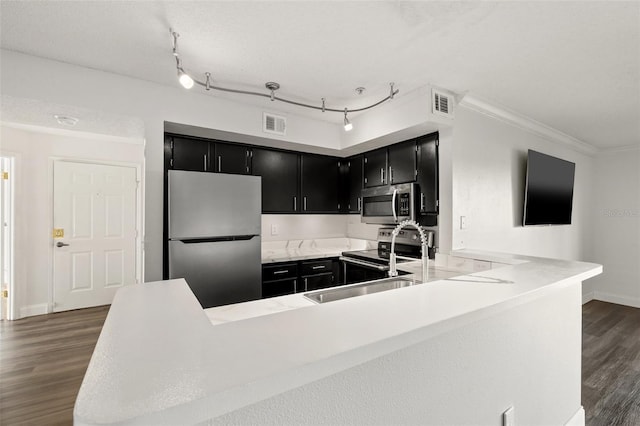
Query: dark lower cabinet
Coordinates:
[279,171]
[279,279]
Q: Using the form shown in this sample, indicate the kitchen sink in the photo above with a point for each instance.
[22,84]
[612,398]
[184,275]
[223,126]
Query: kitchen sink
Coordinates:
[331,295]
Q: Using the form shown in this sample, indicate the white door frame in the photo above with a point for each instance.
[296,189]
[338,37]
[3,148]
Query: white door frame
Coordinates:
[139,251]
[13,159]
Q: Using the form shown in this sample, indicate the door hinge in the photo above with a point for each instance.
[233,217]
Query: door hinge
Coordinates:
[5,293]
[5,175]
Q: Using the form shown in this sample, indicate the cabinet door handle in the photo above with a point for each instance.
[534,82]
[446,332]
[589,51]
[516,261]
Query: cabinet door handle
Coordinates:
[306,287]
[304,203]
[284,271]
[390,174]
[422,201]
[205,162]
[295,203]
[220,163]
[359,204]
[381,175]
[246,161]
[318,267]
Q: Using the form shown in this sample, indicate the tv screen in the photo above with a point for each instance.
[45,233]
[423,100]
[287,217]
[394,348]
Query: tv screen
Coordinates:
[548,190]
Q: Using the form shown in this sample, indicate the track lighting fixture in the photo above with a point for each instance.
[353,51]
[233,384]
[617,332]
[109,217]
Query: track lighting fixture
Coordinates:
[187,81]
[347,124]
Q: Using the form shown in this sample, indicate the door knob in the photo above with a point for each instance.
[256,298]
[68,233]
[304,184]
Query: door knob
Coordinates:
[61,244]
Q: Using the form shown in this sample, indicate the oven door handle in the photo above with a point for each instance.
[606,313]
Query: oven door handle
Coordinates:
[393,204]
[364,263]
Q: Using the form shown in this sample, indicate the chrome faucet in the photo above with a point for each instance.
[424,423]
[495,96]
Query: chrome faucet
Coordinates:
[426,242]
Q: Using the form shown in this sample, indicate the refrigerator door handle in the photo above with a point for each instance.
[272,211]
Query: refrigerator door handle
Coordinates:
[215,239]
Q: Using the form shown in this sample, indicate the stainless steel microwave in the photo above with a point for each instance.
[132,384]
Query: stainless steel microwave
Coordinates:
[389,204]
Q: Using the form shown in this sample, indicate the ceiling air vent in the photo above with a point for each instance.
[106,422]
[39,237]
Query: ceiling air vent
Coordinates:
[442,103]
[272,123]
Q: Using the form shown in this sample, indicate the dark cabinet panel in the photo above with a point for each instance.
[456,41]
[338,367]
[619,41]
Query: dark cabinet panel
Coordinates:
[402,162]
[315,282]
[190,154]
[231,158]
[428,173]
[319,183]
[355,183]
[279,288]
[375,168]
[279,171]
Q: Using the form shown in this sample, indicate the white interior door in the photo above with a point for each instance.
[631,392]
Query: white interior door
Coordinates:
[94,236]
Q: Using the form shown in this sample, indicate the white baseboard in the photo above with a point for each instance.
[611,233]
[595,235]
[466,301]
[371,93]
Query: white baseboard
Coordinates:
[32,310]
[577,419]
[616,298]
[588,297]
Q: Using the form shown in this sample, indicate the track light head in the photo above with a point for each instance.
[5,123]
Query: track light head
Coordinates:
[347,124]
[185,79]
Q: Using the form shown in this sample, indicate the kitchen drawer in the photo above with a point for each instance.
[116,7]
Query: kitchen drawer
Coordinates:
[279,288]
[315,267]
[279,271]
[315,282]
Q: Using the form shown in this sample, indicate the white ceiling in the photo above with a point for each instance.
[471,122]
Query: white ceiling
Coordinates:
[574,66]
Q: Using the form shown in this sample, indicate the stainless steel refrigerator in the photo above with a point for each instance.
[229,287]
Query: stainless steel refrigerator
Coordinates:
[214,235]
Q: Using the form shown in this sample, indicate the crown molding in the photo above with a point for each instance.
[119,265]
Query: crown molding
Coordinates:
[619,149]
[73,133]
[527,124]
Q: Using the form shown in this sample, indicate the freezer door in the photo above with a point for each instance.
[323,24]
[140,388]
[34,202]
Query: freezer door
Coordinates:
[219,273]
[210,204]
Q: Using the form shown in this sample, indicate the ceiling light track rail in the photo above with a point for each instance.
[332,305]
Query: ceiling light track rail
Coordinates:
[187,81]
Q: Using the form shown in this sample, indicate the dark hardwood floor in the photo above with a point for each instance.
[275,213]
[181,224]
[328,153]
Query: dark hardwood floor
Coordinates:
[610,364]
[43,360]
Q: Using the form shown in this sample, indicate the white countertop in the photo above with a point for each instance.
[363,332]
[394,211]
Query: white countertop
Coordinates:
[160,360]
[291,250]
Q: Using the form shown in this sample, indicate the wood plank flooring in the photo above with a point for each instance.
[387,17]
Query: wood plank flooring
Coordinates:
[610,364]
[43,360]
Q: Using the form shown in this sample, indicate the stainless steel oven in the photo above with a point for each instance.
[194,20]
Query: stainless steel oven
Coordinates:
[390,204]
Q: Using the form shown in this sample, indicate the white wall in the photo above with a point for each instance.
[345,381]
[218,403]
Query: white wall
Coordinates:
[29,77]
[34,152]
[489,168]
[616,227]
[467,376]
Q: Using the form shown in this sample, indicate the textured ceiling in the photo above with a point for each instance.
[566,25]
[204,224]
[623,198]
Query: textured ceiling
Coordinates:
[574,66]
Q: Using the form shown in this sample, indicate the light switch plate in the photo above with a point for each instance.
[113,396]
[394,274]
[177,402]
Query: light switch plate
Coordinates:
[463,222]
[274,229]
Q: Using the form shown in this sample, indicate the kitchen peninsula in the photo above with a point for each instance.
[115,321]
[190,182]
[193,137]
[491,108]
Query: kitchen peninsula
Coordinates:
[462,348]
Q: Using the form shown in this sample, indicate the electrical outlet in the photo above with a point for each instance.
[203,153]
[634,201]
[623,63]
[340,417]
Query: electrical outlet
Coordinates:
[463,222]
[274,229]
[509,417]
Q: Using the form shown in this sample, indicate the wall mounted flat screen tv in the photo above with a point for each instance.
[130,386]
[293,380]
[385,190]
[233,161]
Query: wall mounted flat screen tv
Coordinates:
[548,190]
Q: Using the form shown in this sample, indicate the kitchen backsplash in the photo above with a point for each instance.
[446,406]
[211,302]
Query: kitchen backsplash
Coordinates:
[277,227]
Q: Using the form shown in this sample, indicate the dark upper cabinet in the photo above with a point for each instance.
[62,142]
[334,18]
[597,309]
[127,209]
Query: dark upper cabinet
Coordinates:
[232,158]
[319,183]
[375,168]
[279,171]
[354,183]
[190,154]
[428,173]
[402,162]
